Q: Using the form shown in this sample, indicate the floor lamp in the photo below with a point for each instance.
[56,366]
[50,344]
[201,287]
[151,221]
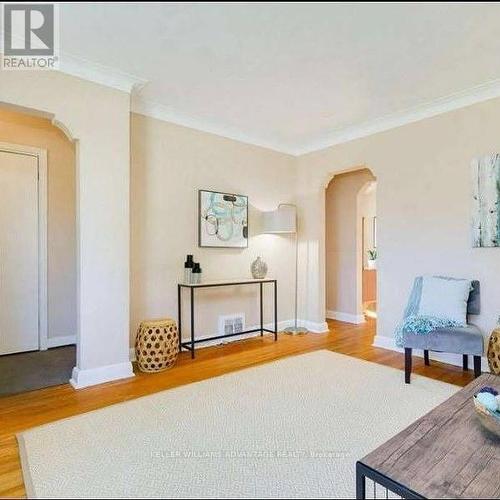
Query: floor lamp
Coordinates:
[284,221]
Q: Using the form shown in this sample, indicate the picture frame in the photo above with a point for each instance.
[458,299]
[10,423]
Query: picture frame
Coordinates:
[222,219]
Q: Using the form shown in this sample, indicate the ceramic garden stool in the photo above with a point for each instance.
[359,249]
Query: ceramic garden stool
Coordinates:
[494,351]
[157,345]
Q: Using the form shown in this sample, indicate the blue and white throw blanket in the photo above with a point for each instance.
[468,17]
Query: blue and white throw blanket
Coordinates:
[416,324]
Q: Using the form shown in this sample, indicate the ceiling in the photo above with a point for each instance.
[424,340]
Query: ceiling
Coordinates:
[294,77]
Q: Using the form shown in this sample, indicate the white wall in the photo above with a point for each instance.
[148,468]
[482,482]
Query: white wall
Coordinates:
[98,118]
[169,163]
[18,128]
[423,207]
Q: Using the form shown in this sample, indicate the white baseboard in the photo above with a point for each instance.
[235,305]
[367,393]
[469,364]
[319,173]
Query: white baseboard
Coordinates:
[61,341]
[357,319]
[94,376]
[312,326]
[443,357]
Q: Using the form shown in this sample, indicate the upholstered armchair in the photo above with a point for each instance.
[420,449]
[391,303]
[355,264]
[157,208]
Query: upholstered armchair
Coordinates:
[467,340]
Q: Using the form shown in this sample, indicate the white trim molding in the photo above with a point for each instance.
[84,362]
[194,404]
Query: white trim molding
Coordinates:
[312,326]
[61,341]
[444,357]
[165,113]
[444,104]
[440,105]
[120,80]
[356,319]
[93,376]
[101,74]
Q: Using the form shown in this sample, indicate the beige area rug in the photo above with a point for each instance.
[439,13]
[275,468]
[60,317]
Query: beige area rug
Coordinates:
[291,428]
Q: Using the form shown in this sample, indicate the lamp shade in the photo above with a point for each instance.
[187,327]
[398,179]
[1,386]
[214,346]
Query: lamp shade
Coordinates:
[282,220]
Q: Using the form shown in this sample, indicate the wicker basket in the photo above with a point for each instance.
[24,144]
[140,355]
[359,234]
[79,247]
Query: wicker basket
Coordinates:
[494,352]
[157,345]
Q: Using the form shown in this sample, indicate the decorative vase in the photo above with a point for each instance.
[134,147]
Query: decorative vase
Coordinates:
[494,350]
[259,269]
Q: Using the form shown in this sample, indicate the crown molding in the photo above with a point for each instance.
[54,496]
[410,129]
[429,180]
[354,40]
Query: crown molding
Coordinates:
[99,73]
[117,79]
[457,100]
[166,113]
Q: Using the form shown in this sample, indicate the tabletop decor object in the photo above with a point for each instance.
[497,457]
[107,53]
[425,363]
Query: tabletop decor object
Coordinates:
[188,268]
[487,404]
[196,274]
[258,269]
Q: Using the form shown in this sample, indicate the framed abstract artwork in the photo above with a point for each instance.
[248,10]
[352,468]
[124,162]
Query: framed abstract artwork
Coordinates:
[222,220]
[486,201]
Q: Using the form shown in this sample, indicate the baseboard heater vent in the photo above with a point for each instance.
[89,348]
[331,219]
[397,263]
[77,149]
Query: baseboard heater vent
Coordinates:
[231,324]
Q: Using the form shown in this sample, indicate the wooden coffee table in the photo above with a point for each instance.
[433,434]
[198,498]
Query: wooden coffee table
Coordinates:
[444,454]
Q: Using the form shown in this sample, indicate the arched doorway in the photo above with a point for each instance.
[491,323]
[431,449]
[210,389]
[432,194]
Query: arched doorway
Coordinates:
[350,233]
[101,134]
[38,282]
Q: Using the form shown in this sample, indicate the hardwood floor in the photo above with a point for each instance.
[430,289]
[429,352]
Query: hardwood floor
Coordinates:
[23,411]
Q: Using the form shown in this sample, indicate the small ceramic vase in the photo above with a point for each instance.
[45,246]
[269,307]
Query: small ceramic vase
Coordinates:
[259,269]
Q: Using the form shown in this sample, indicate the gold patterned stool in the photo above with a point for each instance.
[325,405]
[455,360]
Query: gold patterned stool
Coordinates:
[494,351]
[157,345]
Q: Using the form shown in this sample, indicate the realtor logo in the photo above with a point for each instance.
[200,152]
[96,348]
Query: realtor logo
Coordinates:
[30,36]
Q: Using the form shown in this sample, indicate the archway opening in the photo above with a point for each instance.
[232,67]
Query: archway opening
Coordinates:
[38,276]
[350,246]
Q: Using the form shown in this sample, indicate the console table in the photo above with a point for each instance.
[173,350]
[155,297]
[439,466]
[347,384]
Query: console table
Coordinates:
[444,454]
[190,345]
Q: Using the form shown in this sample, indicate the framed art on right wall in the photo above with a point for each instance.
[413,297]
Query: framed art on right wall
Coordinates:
[486,201]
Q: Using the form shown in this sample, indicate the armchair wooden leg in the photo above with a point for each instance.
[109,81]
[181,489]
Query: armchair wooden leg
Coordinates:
[407,364]
[465,363]
[477,366]
[426,358]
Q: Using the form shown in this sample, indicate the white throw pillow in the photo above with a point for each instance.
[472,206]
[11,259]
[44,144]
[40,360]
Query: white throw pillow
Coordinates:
[445,298]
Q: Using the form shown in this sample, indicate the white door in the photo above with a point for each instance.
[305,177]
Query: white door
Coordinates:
[18,253]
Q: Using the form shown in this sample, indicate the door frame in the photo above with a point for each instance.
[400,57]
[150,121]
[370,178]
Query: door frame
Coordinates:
[41,157]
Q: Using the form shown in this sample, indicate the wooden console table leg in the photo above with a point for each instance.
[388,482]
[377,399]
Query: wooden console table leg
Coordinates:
[192,322]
